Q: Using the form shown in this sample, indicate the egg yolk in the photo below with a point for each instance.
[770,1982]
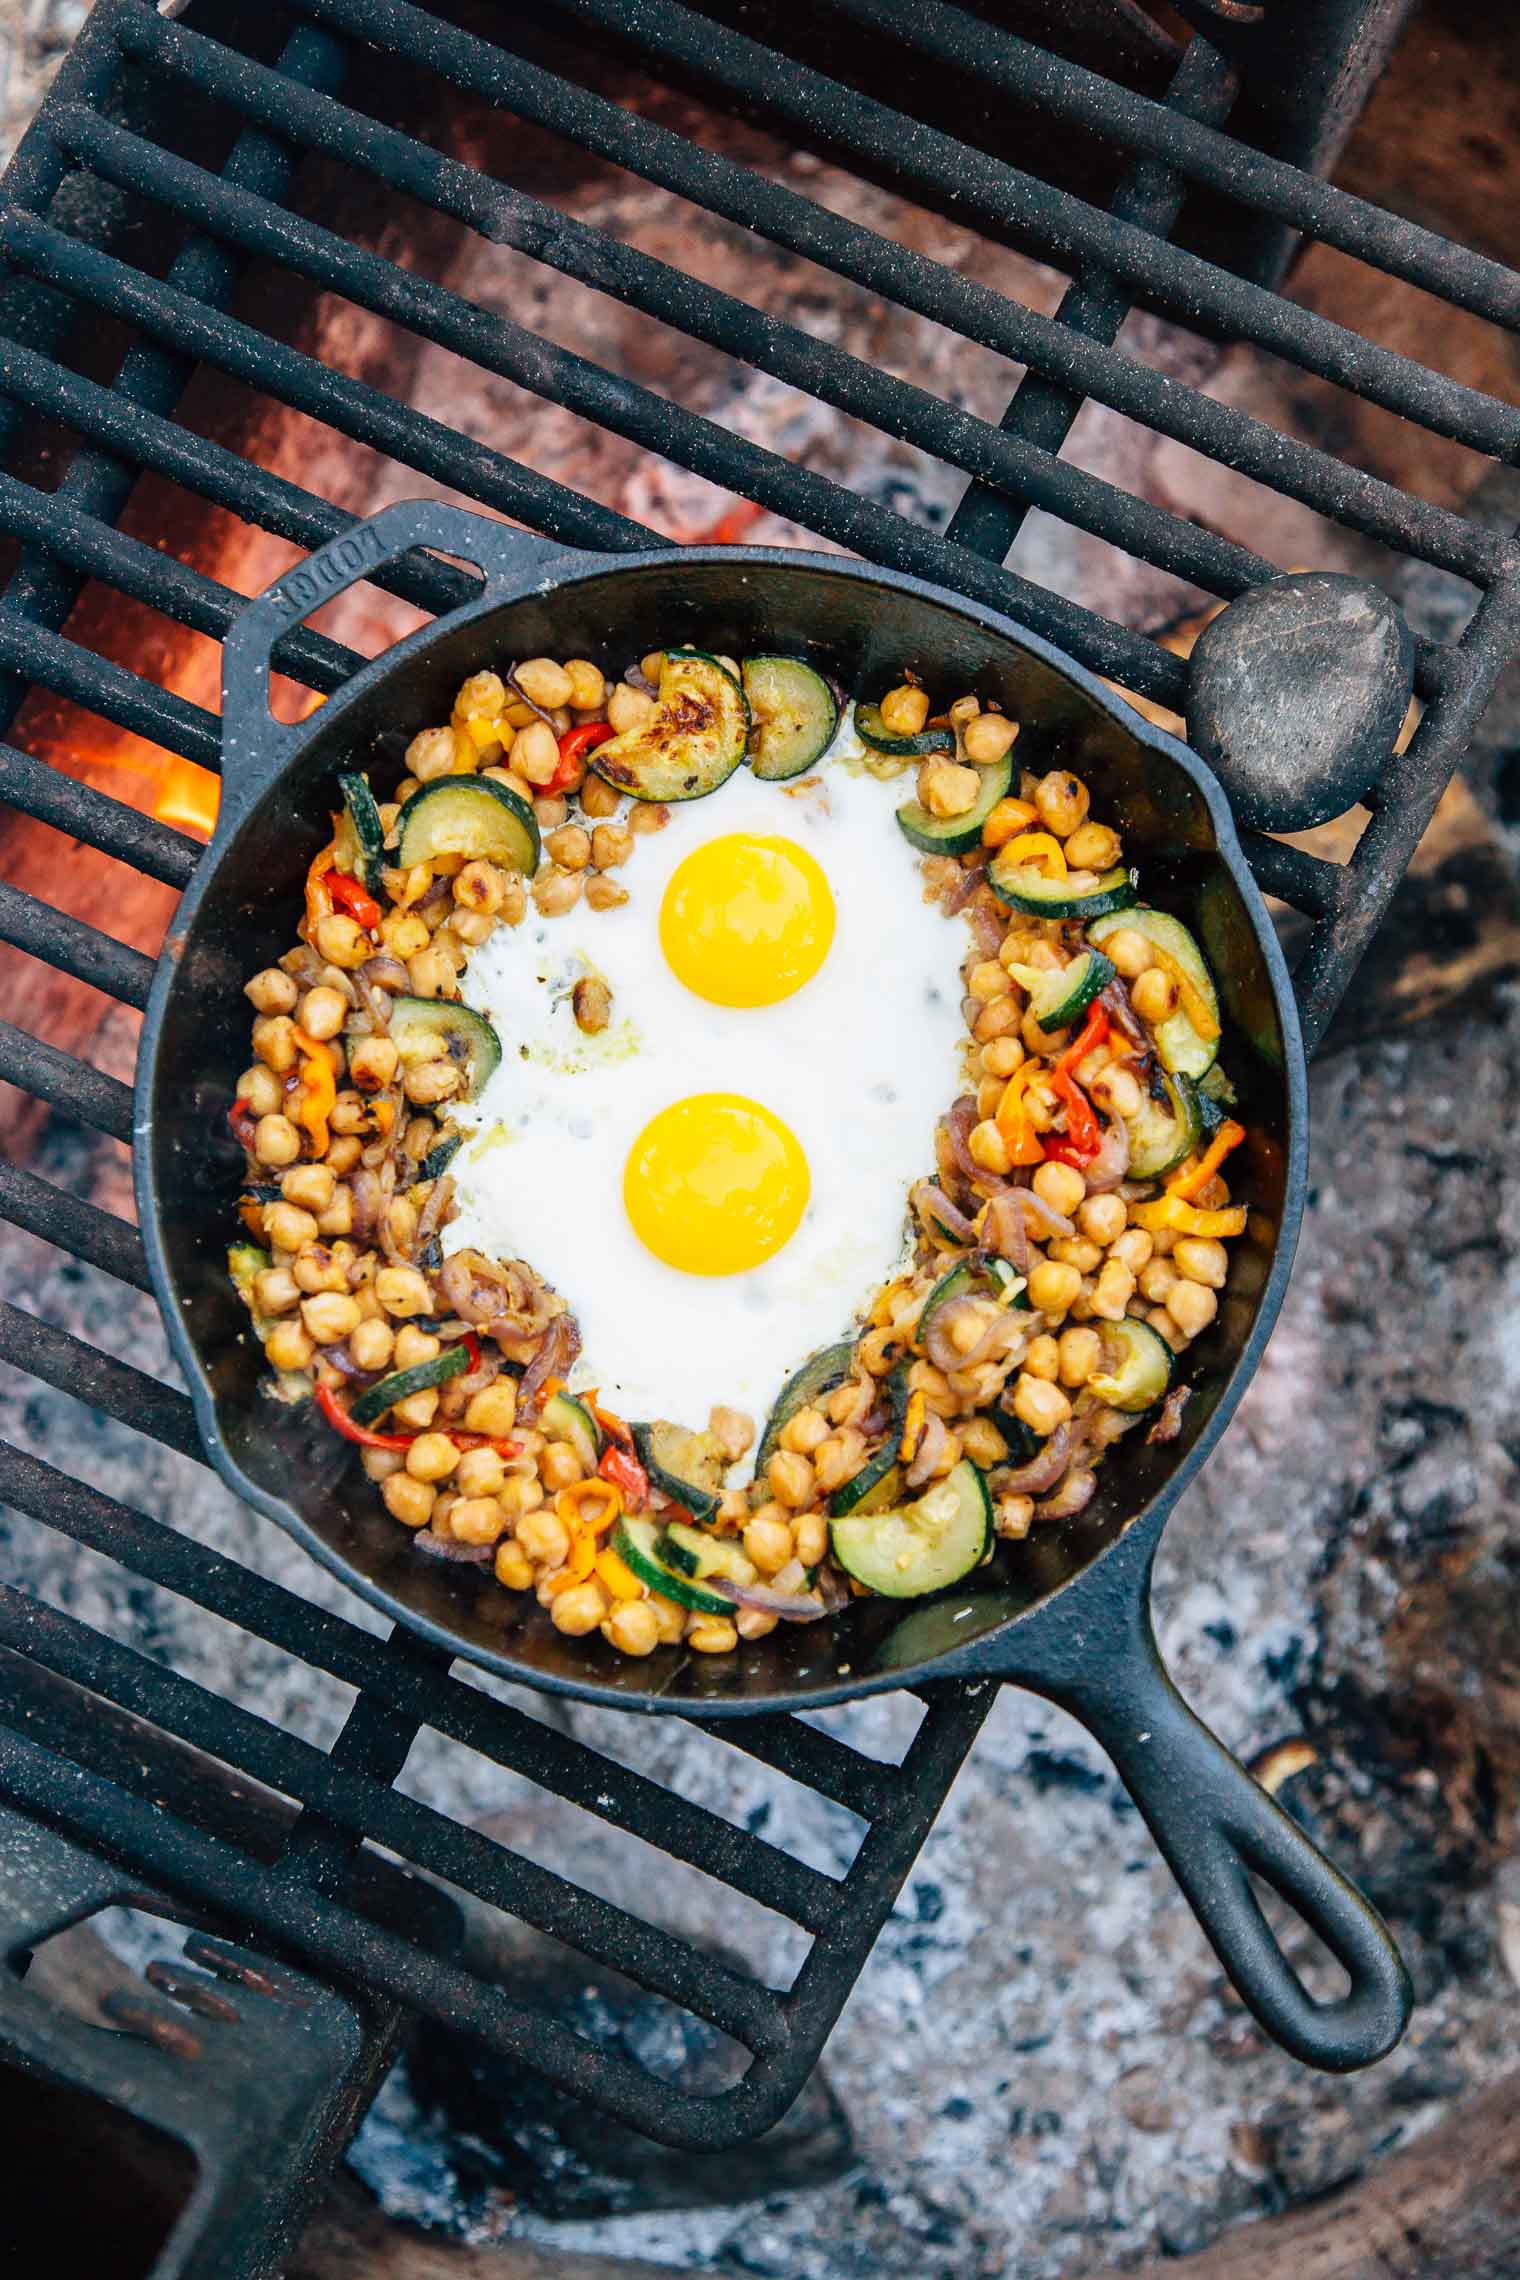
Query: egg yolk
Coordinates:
[715,1184]
[746,920]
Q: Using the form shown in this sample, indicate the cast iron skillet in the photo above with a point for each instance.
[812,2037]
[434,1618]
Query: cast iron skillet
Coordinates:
[1066,1613]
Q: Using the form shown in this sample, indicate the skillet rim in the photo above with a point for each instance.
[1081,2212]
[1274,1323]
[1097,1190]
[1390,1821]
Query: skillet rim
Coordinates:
[544,572]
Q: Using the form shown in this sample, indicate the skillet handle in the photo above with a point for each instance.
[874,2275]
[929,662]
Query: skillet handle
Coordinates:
[255,746]
[1216,1826]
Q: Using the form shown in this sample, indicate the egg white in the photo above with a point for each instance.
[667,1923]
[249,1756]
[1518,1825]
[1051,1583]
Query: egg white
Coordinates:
[859,1062]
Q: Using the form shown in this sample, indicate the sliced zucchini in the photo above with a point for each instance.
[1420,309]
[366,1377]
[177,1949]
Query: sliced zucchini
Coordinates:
[1007,1285]
[359,840]
[401,1384]
[923,1546]
[693,1552]
[685,1466]
[956,834]
[244,1261]
[1216,1089]
[1144,1373]
[563,1418]
[878,1484]
[437,1160]
[1025,887]
[693,740]
[1057,997]
[1188,1040]
[468,1037]
[793,716]
[637,1544]
[870,728]
[819,1375]
[1162,1132]
[468,815]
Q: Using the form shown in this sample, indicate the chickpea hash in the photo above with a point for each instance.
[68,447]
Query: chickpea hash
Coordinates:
[1067,1235]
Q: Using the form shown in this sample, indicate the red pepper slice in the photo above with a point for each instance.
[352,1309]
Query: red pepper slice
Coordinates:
[1059,1151]
[625,1472]
[243,1123]
[573,747]
[1083,1131]
[359,903]
[339,1419]
[471,1345]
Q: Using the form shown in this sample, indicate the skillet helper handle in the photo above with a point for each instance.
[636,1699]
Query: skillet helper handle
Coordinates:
[254,744]
[1217,1827]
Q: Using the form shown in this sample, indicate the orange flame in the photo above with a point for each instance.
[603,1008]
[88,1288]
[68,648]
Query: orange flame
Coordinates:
[188,798]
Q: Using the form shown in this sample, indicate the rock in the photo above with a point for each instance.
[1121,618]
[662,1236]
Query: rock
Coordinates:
[1296,694]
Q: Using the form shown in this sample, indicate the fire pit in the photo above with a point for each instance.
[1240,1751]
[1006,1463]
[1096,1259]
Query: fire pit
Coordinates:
[559,281]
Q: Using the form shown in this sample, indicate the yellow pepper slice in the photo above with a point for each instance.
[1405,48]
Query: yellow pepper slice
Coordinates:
[1199,1013]
[913,1425]
[618,1576]
[1186,1219]
[1038,847]
[1012,1118]
[1192,1177]
[319,1091]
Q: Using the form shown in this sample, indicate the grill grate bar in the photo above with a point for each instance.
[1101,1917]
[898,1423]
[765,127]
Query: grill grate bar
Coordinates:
[60,940]
[1063,90]
[1063,228]
[73,1086]
[507,216]
[98,1237]
[100,1380]
[367,1807]
[45,793]
[100,687]
[811,1755]
[902,275]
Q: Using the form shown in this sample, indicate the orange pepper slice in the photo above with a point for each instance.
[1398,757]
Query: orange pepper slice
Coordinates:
[319,900]
[1186,1219]
[1192,1177]
[319,1090]
[1012,1117]
[1038,847]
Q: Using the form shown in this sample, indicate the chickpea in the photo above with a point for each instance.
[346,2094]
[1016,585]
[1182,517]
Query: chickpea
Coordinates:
[514,1570]
[628,708]
[1165,1327]
[1001,1057]
[271,991]
[904,710]
[1202,1260]
[471,927]
[413,1346]
[408,1499]
[646,817]
[810,1538]
[1112,1292]
[431,754]
[555,892]
[372,1063]
[432,972]
[611,844]
[632,1627]
[349,1113]
[1006,821]
[535,752]
[344,1154]
[551,811]
[988,1148]
[476,1520]
[768,1541]
[790,1479]
[1040,1405]
[588,687]
[1102,1218]
[431,1457]
[1118,1089]
[483,695]
[559,1466]
[276,1141]
[418,1410]
[1060,1185]
[1081,1355]
[1062,800]
[570,848]
[289,1346]
[338,1218]
[431,1081]
[591,1002]
[1133,1248]
[581,1609]
[342,941]
[329,1316]
[494,1409]
[1157,1280]
[547,683]
[947,789]
[604,894]
[274,1041]
[996,1023]
[1075,1251]
[1043,1359]
[733,1430]
[599,799]
[983,1443]
[403,1291]
[379,1464]
[403,933]
[1015,1517]
[323,1012]
[1044,1042]
[987,980]
[275,1290]
[286,1228]
[1192,1306]
[1128,949]
[371,1344]
[310,1186]
[478,887]
[522,1500]
[804,1430]
[988,738]
[1052,1286]
[316,1269]
[712,1635]
[260,1090]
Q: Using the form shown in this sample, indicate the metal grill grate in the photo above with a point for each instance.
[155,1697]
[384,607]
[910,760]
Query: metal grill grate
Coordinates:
[124,1796]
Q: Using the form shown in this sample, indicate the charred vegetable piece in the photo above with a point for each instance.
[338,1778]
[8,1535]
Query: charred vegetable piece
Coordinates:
[1026,887]
[1188,1040]
[469,816]
[637,1544]
[401,1384]
[437,1160]
[685,1466]
[244,1261]
[819,1375]
[924,1546]
[956,834]
[1163,1132]
[871,729]
[693,741]
[793,716]
[563,1418]
[359,840]
[1062,995]
[1141,1378]
[468,1037]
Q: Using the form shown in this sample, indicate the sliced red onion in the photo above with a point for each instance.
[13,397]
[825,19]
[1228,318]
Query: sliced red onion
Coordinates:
[958,1124]
[444,1548]
[1111,1162]
[1074,1495]
[438,1208]
[557,1350]
[1169,1424]
[385,973]
[939,1343]
[930,1450]
[343,1361]
[435,898]
[523,698]
[365,1189]
[1043,1471]
[790,1606]
[508,1301]
[637,678]
[1039,1216]
[936,1212]
[1005,1230]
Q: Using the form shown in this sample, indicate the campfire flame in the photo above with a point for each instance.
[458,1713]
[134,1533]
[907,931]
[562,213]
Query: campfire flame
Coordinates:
[187,798]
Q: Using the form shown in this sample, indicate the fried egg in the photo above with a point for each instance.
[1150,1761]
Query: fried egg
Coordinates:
[717,1181]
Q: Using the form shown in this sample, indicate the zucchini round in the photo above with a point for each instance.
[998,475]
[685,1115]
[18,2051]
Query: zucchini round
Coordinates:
[1144,1372]
[359,840]
[818,1375]
[1025,887]
[919,1547]
[673,1459]
[1163,1132]
[692,1552]
[1058,996]
[471,1043]
[378,1398]
[471,816]
[793,716]
[956,834]
[563,1418]
[691,743]
[637,1544]
[871,730]
[1187,1042]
